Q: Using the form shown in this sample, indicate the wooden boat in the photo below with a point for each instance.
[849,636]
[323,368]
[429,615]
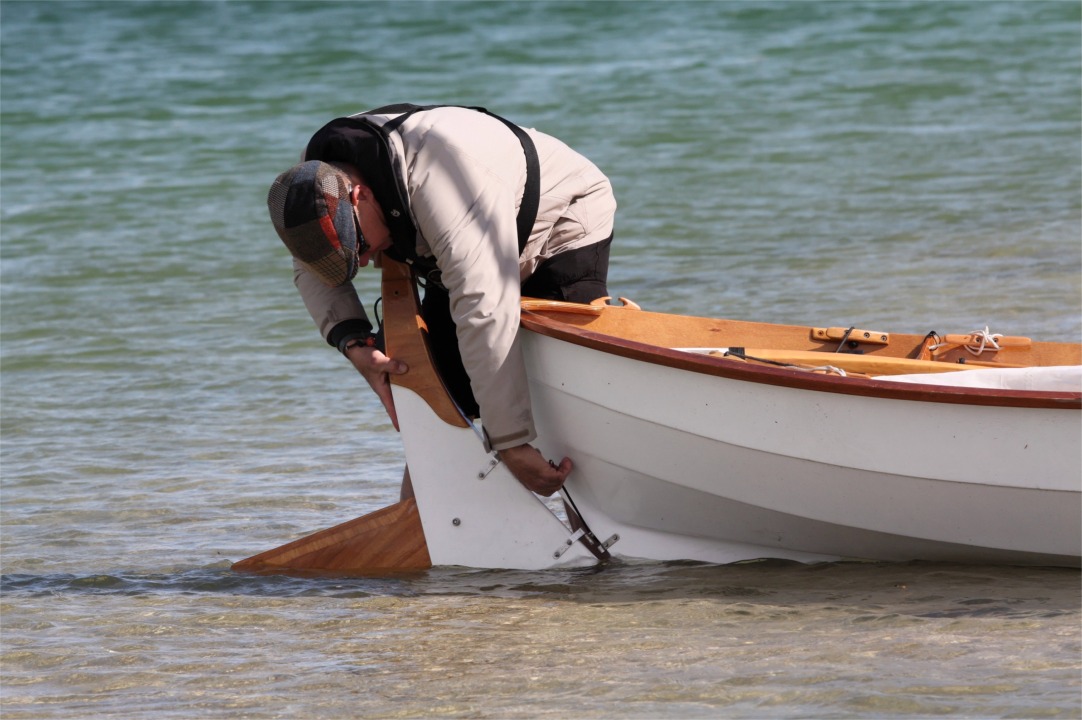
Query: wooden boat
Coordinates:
[723,441]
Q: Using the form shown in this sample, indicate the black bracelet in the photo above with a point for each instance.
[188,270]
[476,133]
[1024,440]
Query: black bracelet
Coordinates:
[367,341]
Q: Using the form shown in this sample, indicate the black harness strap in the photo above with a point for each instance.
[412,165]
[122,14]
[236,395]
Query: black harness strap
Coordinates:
[531,193]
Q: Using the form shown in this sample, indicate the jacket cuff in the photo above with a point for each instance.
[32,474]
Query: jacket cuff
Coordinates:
[348,330]
[510,440]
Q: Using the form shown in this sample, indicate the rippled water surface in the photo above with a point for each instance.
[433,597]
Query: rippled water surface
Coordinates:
[168,408]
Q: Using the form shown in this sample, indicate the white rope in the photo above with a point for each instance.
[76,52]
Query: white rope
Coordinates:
[984,340]
[988,341]
[827,369]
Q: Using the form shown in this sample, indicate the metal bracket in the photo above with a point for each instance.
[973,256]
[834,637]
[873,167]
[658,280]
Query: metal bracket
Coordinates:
[577,535]
[568,543]
[488,468]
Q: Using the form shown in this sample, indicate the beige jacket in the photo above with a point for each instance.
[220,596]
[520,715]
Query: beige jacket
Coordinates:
[465,174]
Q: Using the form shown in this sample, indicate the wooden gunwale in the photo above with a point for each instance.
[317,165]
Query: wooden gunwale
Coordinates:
[738,370]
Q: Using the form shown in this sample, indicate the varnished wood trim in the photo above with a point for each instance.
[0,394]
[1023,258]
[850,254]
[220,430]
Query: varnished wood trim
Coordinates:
[738,370]
[405,332]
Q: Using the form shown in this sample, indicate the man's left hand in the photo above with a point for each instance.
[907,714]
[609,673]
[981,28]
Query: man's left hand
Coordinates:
[535,472]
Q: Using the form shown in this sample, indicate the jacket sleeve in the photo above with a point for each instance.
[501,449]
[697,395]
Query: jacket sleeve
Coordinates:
[337,311]
[464,200]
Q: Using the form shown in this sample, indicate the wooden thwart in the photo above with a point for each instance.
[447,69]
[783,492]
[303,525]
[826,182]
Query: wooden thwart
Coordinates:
[387,539]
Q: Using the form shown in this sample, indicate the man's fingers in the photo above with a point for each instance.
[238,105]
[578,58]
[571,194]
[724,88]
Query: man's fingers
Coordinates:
[383,391]
[375,367]
[535,472]
[382,364]
[555,478]
[370,361]
[388,405]
[394,367]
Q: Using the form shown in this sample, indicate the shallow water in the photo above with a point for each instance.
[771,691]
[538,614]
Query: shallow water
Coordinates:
[168,408]
[673,640]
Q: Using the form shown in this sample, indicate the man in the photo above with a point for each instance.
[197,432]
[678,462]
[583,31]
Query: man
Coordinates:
[489,210]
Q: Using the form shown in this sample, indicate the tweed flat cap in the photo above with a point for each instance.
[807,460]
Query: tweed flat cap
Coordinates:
[310,209]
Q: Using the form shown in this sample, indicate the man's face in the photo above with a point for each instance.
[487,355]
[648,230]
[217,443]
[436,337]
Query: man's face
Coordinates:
[370,223]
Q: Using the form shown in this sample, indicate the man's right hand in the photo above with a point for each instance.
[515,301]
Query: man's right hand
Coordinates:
[376,369]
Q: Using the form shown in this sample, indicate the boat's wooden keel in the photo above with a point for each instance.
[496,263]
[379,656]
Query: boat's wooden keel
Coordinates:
[386,540]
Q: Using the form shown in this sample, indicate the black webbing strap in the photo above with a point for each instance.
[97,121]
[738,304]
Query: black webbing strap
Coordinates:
[531,193]
[574,516]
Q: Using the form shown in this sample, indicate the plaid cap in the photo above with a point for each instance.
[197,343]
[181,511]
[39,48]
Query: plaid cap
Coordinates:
[310,209]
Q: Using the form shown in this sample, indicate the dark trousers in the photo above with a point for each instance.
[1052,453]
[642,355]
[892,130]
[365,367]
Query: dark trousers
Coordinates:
[577,276]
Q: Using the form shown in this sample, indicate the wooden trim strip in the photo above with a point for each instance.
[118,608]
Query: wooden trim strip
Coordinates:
[739,370]
[405,331]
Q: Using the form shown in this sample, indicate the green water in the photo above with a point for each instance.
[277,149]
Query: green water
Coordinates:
[168,408]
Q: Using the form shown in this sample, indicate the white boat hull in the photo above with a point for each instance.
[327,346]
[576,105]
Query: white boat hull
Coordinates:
[473,510]
[684,465]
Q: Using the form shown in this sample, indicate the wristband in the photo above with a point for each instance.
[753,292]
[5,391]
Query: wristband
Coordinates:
[366,341]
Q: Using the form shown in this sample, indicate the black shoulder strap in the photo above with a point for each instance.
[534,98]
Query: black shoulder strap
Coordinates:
[531,194]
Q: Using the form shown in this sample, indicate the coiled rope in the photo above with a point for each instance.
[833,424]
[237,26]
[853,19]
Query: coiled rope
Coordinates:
[982,340]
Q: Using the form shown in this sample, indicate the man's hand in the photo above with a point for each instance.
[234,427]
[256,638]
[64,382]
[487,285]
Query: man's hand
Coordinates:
[535,472]
[376,368]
